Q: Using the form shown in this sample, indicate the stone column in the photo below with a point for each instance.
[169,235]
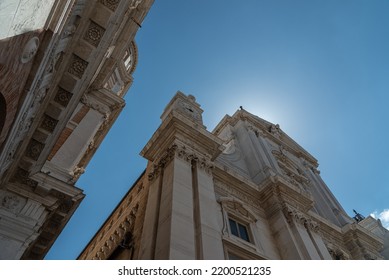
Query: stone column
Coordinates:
[208,227]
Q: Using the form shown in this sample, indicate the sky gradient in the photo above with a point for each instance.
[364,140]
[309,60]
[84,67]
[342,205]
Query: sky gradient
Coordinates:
[319,69]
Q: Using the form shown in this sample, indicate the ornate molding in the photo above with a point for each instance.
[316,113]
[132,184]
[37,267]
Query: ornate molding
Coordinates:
[165,159]
[295,216]
[185,153]
[110,242]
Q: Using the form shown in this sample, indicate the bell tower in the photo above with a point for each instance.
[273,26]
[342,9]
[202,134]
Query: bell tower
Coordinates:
[181,154]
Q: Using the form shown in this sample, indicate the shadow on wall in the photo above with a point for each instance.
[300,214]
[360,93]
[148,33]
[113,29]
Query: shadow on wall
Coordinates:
[3,110]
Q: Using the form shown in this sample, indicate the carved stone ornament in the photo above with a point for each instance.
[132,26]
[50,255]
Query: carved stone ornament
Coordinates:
[110,242]
[275,130]
[253,129]
[34,149]
[48,123]
[94,33]
[77,66]
[76,173]
[63,97]
[294,215]
[185,153]
[30,50]
[110,4]
[135,4]
[10,202]
[166,158]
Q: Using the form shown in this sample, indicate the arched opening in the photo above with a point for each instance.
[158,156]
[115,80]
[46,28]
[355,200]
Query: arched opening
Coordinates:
[3,113]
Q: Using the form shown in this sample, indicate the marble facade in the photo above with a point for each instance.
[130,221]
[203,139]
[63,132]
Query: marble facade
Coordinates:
[246,190]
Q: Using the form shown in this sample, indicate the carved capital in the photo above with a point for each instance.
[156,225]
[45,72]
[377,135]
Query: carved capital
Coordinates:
[95,105]
[296,216]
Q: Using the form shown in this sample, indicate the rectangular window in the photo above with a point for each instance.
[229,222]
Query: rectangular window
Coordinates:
[239,230]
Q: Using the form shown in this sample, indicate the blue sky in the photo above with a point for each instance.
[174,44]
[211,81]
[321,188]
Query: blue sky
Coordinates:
[318,68]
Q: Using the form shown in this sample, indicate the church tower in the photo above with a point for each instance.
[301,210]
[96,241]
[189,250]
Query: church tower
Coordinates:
[181,194]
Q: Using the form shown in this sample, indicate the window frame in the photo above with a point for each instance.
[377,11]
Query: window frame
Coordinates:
[240,224]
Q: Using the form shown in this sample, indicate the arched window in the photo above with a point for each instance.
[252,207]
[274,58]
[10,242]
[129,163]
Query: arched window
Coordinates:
[130,58]
[3,112]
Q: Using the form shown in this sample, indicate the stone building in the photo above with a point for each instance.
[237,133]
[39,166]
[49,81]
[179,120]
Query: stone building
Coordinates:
[246,190]
[65,67]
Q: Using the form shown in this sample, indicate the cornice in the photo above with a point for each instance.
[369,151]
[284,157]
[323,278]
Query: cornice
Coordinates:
[178,126]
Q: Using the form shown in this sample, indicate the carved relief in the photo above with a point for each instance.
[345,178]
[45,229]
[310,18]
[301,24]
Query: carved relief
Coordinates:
[275,130]
[30,50]
[94,33]
[110,4]
[11,202]
[63,97]
[77,66]
[48,123]
[34,149]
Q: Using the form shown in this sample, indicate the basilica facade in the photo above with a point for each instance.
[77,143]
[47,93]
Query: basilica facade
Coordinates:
[246,190]
[65,67]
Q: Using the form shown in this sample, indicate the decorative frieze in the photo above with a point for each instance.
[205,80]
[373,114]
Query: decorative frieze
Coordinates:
[110,242]
[94,33]
[77,66]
